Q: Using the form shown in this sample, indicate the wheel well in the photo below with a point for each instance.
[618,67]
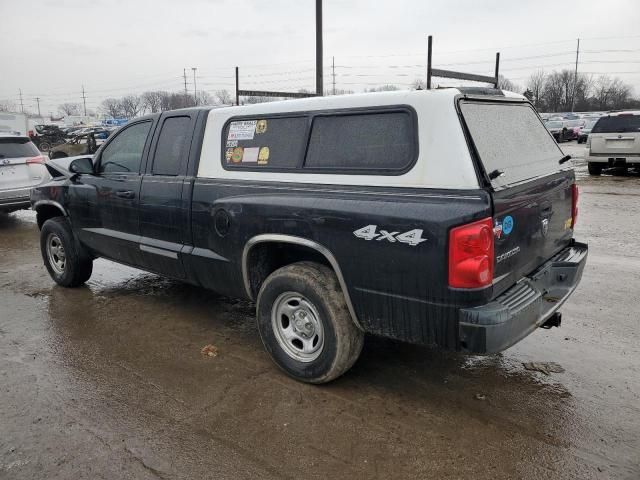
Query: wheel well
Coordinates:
[58,155]
[45,212]
[265,258]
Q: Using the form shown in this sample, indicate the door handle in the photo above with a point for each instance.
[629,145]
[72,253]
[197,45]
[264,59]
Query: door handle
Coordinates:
[125,194]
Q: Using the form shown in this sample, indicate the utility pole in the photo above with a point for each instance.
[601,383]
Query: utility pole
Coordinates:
[184,74]
[195,93]
[21,104]
[429,52]
[575,77]
[84,101]
[38,102]
[237,87]
[333,73]
[319,86]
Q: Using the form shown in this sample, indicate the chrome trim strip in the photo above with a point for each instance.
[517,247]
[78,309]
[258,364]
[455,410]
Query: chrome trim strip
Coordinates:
[275,237]
[213,181]
[159,251]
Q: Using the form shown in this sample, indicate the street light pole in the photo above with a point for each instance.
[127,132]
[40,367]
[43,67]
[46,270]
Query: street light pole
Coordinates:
[195,92]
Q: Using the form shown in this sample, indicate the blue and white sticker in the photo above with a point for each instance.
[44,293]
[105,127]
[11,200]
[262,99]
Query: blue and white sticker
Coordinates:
[507,224]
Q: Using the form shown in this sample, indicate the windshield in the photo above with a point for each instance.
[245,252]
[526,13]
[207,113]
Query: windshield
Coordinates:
[554,124]
[590,123]
[618,124]
[510,139]
[17,147]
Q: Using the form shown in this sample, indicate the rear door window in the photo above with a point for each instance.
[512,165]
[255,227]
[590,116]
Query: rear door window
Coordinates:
[382,142]
[17,148]
[173,146]
[617,124]
[510,138]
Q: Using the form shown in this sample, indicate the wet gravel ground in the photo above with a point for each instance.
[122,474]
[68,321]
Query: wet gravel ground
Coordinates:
[107,381]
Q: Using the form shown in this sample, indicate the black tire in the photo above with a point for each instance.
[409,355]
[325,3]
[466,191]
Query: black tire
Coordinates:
[317,286]
[70,267]
[44,146]
[594,168]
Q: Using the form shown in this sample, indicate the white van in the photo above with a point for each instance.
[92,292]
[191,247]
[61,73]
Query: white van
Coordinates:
[614,141]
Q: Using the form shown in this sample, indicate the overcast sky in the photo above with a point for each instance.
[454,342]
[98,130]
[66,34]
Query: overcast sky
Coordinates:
[114,47]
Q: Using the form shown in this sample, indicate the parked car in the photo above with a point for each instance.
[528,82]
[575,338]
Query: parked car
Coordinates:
[85,144]
[338,216]
[558,129]
[573,128]
[21,168]
[614,141]
[586,130]
[46,136]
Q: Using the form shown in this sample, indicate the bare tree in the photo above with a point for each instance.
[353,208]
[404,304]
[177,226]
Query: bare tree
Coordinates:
[224,97]
[131,105]
[419,84]
[69,108]
[205,98]
[554,92]
[535,84]
[602,92]
[165,101]
[505,84]
[383,88]
[620,93]
[112,107]
[152,101]
[7,106]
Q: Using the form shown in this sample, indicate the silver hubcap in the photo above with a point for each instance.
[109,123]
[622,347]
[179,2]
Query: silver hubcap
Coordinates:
[297,327]
[55,252]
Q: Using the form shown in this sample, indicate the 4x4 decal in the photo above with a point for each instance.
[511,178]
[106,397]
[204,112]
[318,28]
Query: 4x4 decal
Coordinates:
[411,237]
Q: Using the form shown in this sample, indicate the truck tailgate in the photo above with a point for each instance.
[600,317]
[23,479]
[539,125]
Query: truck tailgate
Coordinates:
[533,222]
[532,191]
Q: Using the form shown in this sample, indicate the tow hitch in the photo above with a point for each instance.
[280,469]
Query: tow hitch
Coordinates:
[553,321]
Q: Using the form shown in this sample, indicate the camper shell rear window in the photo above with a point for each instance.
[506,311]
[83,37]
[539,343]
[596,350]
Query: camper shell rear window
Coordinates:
[511,141]
[378,141]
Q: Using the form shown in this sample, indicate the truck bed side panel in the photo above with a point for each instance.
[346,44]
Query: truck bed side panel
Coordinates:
[397,289]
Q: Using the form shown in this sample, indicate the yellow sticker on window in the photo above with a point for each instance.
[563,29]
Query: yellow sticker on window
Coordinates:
[263,156]
[261,126]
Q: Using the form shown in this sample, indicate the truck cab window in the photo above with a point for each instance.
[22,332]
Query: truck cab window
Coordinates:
[172,146]
[124,153]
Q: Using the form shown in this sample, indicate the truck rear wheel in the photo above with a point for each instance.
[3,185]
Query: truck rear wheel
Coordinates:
[594,168]
[64,258]
[305,324]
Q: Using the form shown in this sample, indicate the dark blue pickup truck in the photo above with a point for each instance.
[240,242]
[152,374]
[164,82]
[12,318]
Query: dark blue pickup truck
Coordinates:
[410,215]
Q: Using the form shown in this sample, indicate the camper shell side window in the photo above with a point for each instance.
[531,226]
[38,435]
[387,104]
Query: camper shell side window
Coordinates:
[371,141]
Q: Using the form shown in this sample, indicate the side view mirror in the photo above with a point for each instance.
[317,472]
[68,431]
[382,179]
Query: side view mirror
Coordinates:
[81,165]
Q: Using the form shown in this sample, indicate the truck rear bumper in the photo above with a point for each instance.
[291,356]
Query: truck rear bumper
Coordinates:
[14,199]
[527,305]
[614,159]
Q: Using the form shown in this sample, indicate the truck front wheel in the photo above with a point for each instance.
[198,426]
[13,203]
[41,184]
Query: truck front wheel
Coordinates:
[305,324]
[63,257]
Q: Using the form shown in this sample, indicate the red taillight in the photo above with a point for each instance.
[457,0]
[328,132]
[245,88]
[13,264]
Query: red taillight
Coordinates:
[30,133]
[471,255]
[38,159]
[574,204]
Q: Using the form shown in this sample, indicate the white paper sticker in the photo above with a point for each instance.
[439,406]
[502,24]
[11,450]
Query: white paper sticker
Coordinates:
[250,155]
[232,143]
[242,130]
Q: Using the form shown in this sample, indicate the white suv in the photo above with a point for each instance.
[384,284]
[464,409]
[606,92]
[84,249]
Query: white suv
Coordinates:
[614,141]
[21,168]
